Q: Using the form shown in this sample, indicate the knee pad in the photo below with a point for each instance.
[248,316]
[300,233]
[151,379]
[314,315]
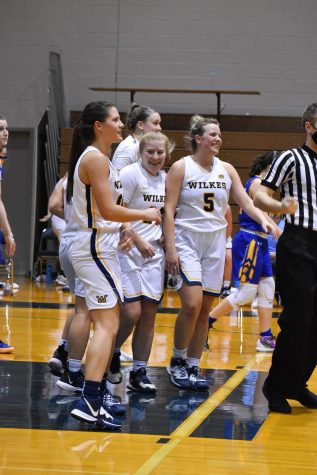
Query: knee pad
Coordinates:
[266,292]
[245,294]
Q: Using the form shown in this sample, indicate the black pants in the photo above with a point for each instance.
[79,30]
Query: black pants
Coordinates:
[295,356]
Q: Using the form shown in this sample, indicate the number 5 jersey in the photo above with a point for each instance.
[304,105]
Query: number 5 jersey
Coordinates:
[203,198]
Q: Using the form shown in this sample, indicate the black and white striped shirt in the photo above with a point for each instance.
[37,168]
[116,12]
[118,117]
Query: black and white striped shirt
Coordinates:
[295,173]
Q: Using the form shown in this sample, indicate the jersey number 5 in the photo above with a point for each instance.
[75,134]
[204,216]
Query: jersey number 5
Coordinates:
[208,202]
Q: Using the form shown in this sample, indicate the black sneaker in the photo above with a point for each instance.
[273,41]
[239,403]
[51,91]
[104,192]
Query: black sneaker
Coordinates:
[87,409]
[114,375]
[197,381]
[225,292]
[72,381]
[57,363]
[177,370]
[211,321]
[139,382]
[107,421]
[112,404]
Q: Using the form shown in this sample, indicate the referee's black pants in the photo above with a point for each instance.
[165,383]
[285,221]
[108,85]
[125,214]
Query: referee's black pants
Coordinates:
[295,356]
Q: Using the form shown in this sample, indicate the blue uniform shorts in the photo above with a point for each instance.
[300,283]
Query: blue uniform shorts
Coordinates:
[250,258]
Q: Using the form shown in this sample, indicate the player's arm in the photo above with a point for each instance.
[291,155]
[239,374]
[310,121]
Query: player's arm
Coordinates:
[94,171]
[6,229]
[174,181]
[264,200]
[241,197]
[56,200]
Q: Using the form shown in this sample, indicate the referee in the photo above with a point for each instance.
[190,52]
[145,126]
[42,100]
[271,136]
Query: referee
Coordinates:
[294,173]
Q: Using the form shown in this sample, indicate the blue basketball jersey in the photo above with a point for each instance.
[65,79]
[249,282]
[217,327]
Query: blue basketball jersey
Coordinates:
[246,221]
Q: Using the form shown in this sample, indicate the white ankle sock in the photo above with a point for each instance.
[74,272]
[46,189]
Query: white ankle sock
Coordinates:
[180,353]
[74,365]
[193,362]
[137,364]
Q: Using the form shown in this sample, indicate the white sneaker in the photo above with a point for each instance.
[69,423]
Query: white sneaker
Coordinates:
[266,344]
[61,280]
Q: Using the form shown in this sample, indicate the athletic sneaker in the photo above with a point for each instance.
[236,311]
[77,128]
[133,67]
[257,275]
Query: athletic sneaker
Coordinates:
[211,321]
[225,292]
[198,382]
[138,381]
[61,280]
[106,421]
[112,404]
[87,409]
[177,370]
[266,344]
[171,282]
[57,363]
[72,381]
[114,375]
[5,349]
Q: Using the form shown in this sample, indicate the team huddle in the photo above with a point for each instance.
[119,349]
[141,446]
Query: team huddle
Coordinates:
[127,223]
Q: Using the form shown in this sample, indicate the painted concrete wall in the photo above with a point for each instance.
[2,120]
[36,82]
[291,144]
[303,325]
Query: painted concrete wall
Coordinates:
[265,45]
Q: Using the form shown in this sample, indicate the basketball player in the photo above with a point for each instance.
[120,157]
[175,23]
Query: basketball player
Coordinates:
[4,223]
[143,184]
[141,119]
[68,356]
[197,194]
[97,196]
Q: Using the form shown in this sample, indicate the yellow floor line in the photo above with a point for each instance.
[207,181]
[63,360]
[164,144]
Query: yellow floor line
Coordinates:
[196,418]
[157,457]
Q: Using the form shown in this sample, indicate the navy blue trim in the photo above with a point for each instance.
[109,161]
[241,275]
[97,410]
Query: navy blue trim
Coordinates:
[212,294]
[88,201]
[100,265]
[148,299]
[143,297]
[189,282]
[132,299]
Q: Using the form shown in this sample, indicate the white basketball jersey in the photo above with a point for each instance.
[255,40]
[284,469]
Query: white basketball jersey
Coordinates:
[126,153]
[204,197]
[85,212]
[141,190]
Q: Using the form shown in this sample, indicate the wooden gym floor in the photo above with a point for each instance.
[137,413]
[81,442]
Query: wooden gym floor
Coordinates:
[228,430]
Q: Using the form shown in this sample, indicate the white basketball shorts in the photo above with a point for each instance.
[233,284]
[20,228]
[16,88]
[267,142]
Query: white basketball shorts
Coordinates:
[142,277]
[65,247]
[202,258]
[96,263]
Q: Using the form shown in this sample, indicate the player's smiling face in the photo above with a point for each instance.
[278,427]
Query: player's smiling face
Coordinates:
[112,126]
[153,156]
[210,141]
